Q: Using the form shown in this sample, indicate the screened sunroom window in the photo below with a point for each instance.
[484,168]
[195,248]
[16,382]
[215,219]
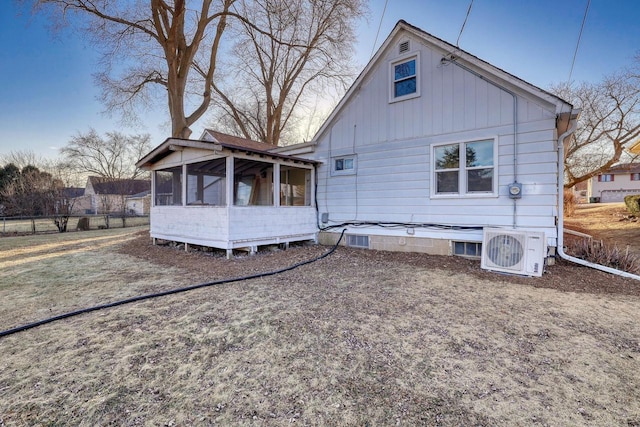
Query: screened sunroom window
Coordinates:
[206,183]
[464,168]
[168,187]
[253,183]
[295,186]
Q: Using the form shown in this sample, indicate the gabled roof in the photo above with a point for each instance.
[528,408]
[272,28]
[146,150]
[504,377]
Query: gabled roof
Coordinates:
[454,54]
[119,186]
[216,141]
[73,192]
[211,135]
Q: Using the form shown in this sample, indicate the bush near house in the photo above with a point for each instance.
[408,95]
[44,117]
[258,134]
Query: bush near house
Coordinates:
[633,204]
[569,203]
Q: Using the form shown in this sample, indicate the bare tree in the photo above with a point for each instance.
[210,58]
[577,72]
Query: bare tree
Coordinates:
[33,193]
[608,125]
[112,160]
[112,157]
[23,158]
[156,43]
[64,193]
[302,47]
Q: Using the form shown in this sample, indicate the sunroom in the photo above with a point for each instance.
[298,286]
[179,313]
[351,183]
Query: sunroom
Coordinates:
[229,194]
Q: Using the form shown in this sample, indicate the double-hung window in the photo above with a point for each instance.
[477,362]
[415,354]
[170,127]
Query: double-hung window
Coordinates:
[606,177]
[465,168]
[404,83]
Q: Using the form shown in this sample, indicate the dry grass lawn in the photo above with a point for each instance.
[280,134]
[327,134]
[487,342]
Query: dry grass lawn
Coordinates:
[358,338]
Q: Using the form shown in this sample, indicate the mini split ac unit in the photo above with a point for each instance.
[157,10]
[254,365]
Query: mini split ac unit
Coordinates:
[513,251]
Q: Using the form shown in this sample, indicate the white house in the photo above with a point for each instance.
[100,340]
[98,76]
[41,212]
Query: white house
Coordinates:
[429,146]
[616,183]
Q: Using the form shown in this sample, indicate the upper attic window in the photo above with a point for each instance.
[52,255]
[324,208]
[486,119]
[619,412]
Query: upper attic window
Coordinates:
[405,80]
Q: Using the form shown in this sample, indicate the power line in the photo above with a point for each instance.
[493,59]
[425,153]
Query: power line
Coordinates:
[575,53]
[464,23]
[379,25]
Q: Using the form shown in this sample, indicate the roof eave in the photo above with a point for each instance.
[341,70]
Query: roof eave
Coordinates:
[174,144]
[446,48]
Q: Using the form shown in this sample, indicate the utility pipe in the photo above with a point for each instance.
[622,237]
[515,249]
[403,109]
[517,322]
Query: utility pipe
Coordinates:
[560,249]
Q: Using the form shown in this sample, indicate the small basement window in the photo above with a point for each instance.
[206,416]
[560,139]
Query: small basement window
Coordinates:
[345,165]
[358,241]
[468,249]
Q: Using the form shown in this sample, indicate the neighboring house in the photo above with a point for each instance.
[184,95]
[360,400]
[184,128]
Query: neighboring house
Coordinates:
[139,204]
[616,183]
[108,195]
[429,146]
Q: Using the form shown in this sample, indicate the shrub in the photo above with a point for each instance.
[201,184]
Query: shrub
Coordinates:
[633,204]
[569,203]
[598,252]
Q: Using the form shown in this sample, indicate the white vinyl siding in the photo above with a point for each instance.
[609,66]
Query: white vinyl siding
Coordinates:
[393,144]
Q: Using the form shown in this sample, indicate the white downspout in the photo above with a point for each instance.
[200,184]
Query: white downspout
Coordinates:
[560,249]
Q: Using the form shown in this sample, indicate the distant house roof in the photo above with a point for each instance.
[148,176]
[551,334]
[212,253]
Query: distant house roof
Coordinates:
[140,195]
[125,187]
[73,192]
[624,168]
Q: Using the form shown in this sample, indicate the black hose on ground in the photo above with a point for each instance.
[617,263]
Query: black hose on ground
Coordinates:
[169,292]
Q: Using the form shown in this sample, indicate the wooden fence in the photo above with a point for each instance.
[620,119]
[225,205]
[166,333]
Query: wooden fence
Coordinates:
[34,225]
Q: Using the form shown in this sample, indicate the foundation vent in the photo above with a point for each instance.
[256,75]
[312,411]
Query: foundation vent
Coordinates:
[356,241]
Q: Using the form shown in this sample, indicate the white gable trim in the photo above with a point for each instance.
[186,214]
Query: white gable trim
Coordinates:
[450,52]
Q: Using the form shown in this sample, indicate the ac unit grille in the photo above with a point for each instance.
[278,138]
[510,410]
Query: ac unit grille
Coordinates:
[505,251]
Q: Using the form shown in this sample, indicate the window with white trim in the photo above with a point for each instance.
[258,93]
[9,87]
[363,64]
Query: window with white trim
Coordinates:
[465,168]
[606,177]
[635,177]
[345,165]
[405,83]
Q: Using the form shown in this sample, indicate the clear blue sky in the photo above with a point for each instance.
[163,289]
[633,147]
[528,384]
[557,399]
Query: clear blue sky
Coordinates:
[47,93]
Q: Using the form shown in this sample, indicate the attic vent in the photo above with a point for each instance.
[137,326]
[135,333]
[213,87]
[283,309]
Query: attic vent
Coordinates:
[404,47]
[358,241]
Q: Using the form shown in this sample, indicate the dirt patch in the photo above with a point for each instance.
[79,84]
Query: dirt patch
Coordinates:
[609,222]
[563,276]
